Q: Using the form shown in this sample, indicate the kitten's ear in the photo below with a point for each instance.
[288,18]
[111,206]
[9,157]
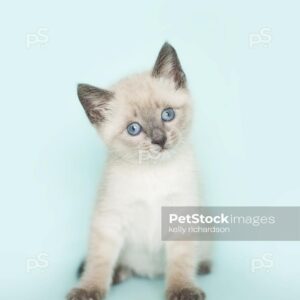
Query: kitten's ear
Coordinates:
[168,65]
[94,101]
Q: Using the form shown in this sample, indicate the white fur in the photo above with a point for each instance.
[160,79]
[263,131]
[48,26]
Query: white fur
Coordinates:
[134,194]
[126,227]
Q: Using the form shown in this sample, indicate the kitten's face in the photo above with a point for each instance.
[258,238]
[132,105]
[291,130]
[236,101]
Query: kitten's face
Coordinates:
[144,117]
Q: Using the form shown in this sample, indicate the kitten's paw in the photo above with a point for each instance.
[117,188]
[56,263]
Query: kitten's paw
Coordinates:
[83,294]
[193,293]
[121,273]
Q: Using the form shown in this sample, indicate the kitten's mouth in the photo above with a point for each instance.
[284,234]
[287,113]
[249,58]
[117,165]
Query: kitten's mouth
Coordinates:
[163,149]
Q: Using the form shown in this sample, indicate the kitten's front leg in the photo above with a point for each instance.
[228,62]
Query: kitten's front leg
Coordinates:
[181,269]
[104,249]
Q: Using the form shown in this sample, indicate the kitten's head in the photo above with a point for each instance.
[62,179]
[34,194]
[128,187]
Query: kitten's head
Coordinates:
[144,117]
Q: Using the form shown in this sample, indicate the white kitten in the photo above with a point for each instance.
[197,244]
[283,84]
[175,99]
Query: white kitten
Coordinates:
[144,120]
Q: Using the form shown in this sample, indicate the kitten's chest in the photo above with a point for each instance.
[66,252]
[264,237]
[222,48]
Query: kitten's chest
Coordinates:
[138,195]
[150,187]
[147,184]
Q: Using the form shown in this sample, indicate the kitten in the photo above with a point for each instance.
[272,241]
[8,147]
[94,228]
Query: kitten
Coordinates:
[144,120]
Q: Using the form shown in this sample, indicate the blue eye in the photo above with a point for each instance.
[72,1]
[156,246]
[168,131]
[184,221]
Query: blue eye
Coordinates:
[134,128]
[168,114]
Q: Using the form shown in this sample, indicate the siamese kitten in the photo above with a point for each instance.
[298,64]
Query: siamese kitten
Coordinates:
[145,121]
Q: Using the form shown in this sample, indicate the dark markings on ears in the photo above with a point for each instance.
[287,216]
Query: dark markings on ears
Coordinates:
[168,65]
[94,101]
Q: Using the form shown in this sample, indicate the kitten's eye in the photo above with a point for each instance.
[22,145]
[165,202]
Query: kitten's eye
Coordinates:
[168,114]
[134,128]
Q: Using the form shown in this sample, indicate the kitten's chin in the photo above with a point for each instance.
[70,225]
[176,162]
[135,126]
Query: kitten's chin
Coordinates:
[152,156]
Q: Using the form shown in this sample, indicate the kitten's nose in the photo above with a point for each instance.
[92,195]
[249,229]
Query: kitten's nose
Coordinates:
[161,141]
[158,137]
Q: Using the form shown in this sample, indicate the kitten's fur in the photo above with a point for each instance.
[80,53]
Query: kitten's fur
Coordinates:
[141,176]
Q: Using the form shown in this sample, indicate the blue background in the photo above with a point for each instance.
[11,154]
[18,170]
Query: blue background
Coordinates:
[246,131]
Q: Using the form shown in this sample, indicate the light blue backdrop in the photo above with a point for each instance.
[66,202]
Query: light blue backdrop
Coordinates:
[242,62]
